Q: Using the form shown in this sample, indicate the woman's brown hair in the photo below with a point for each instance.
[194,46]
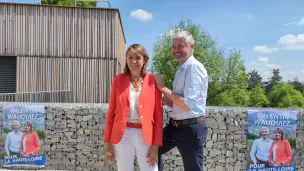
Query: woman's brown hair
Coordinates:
[29,123]
[138,50]
[280,131]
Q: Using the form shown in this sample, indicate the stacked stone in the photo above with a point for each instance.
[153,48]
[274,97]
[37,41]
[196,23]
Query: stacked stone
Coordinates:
[299,152]
[74,139]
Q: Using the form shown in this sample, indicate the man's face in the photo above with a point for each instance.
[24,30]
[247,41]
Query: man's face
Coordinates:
[181,51]
[264,133]
[16,127]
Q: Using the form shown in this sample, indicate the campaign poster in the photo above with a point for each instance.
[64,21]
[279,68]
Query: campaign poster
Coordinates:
[23,135]
[271,140]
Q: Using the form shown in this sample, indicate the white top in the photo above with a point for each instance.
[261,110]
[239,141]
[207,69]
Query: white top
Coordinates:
[24,144]
[274,149]
[134,111]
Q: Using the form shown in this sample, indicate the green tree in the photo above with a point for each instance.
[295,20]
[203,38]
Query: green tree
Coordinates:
[225,74]
[254,79]
[284,95]
[298,85]
[274,80]
[258,97]
[69,3]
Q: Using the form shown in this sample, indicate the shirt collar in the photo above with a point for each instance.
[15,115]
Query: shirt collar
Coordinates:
[264,139]
[18,132]
[188,61]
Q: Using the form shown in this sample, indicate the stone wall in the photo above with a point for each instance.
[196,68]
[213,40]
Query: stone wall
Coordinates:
[74,139]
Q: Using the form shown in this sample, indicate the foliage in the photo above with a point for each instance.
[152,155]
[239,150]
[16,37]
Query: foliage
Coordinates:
[40,133]
[284,95]
[257,97]
[254,79]
[69,3]
[227,76]
[274,80]
[292,141]
[298,85]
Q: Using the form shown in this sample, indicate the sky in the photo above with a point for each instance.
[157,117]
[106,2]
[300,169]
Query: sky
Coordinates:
[269,34]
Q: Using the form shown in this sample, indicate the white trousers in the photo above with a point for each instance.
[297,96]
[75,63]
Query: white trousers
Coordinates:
[132,143]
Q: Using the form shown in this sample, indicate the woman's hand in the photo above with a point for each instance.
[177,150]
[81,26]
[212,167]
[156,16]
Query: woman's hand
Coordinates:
[152,155]
[109,152]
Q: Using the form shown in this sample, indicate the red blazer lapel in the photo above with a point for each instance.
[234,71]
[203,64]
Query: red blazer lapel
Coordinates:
[126,87]
[144,90]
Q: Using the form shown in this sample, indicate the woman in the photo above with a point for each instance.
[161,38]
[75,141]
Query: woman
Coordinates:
[135,116]
[280,150]
[29,144]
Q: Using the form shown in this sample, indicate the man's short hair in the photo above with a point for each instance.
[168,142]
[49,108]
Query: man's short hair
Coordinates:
[264,127]
[16,122]
[184,34]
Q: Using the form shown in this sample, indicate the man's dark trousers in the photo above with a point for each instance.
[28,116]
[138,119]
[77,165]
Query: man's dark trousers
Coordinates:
[190,140]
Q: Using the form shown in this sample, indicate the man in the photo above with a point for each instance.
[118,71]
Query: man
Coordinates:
[12,143]
[260,150]
[187,129]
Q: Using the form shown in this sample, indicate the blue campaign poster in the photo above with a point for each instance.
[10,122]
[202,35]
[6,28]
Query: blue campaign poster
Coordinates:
[23,134]
[271,140]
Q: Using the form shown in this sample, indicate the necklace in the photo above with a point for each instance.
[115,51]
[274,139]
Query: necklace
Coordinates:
[136,84]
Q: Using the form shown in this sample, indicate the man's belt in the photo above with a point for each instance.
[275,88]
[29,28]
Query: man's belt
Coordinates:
[177,123]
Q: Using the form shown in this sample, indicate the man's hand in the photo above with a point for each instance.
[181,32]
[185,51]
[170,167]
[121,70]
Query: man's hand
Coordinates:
[152,155]
[160,82]
[167,101]
[109,152]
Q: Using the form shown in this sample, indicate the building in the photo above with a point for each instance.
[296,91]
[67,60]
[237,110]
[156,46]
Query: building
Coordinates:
[59,53]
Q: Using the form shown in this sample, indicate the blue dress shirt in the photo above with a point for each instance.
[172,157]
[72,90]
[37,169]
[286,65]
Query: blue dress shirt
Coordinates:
[261,149]
[12,142]
[191,82]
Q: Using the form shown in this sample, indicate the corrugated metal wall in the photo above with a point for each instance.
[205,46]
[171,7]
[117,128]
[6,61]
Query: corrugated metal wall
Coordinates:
[63,48]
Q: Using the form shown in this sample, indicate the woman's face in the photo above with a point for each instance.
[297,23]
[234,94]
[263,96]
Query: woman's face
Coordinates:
[135,62]
[27,128]
[277,135]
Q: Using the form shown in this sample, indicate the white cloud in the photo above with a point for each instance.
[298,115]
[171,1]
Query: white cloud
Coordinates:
[296,73]
[292,42]
[273,66]
[254,64]
[141,15]
[263,59]
[292,72]
[290,23]
[265,75]
[264,49]
[248,15]
[299,23]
